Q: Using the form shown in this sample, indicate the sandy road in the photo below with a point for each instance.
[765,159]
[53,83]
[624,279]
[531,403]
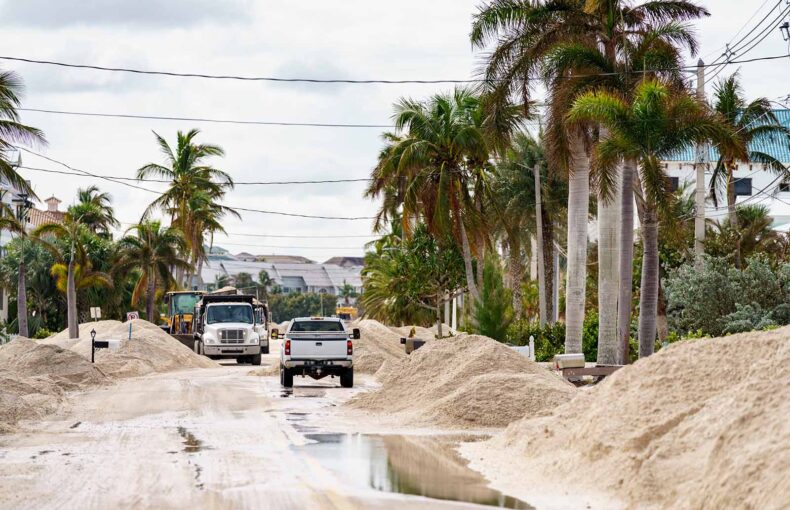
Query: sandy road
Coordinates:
[210,438]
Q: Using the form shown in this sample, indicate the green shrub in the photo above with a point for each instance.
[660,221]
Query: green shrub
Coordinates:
[550,339]
[42,333]
[493,312]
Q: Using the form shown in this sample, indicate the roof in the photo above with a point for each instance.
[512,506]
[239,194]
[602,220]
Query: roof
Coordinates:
[285,259]
[313,275]
[37,217]
[777,147]
[346,261]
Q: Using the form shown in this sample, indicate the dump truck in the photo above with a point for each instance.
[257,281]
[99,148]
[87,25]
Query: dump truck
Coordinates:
[224,327]
[178,319]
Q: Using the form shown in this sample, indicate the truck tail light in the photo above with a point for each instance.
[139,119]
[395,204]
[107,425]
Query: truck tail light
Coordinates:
[349,348]
[287,347]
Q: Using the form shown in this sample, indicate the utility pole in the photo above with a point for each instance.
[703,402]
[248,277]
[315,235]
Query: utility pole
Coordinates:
[700,163]
[539,234]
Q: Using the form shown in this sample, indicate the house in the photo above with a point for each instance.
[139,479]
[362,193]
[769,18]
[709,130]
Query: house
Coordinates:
[346,261]
[52,214]
[285,259]
[246,257]
[754,184]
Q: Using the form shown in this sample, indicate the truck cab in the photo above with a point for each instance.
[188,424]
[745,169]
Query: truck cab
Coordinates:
[317,347]
[225,328]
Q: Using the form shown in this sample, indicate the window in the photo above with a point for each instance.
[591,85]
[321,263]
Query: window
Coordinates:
[743,187]
[304,326]
[674,184]
[229,314]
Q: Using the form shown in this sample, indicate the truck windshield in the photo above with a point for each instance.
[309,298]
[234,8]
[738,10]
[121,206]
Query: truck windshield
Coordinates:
[229,313]
[305,326]
[184,303]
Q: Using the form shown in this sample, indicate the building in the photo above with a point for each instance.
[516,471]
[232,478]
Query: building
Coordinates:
[753,183]
[346,261]
[290,277]
[52,214]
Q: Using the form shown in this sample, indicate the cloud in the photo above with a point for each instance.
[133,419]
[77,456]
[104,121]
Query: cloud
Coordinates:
[145,13]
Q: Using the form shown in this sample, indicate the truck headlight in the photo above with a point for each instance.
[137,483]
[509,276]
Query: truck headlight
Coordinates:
[208,339]
[253,338]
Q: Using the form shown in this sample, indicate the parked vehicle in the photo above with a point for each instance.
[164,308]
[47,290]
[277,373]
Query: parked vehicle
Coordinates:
[178,320]
[224,327]
[317,347]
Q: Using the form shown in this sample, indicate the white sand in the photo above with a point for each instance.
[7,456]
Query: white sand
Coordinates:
[702,424]
[42,370]
[462,382]
[376,346]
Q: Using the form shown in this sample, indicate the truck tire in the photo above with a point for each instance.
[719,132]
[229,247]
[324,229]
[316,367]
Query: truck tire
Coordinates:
[201,349]
[286,378]
[196,347]
[265,350]
[347,378]
[240,360]
[255,359]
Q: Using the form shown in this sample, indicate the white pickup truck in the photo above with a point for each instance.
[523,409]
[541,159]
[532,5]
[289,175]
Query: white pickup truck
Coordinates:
[317,347]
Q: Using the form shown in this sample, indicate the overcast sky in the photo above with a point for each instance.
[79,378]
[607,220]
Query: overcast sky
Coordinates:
[358,39]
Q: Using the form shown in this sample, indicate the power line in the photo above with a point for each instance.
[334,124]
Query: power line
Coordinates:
[218,121]
[240,183]
[244,209]
[348,81]
[198,119]
[754,15]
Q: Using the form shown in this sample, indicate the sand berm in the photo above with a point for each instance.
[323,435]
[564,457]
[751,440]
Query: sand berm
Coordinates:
[465,381]
[35,376]
[701,424]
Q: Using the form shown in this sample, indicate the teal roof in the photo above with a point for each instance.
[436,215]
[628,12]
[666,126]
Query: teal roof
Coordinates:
[778,147]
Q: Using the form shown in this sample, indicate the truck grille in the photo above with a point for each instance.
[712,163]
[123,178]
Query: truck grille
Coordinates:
[231,336]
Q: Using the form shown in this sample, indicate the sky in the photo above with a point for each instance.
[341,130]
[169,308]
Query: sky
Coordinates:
[354,39]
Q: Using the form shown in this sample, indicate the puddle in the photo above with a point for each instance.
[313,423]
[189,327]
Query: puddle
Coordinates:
[414,465]
[191,443]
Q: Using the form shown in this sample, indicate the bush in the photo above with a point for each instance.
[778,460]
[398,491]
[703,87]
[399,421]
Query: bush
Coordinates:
[42,333]
[550,339]
[493,312]
[718,299]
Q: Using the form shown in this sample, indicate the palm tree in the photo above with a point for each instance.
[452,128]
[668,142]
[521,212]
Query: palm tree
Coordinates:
[96,209]
[430,168]
[153,251]
[347,292]
[13,131]
[265,281]
[657,122]
[71,230]
[16,227]
[513,186]
[580,40]
[751,121]
[194,192]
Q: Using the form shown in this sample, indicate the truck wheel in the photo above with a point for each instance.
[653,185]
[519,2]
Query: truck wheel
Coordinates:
[255,359]
[196,347]
[201,348]
[241,359]
[286,378]
[265,350]
[347,378]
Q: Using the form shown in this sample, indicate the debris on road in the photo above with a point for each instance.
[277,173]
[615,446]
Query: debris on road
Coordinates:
[702,423]
[465,381]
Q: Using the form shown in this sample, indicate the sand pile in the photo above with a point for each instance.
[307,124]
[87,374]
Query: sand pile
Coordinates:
[465,381]
[34,377]
[702,424]
[377,345]
[150,350]
[421,332]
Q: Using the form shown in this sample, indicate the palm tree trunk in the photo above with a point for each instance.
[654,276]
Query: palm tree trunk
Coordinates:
[648,292]
[548,251]
[200,273]
[609,226]
[626,260]
[578,205]
[662,326]
[481,247]
[150,296]
[515,271]
[21,302]
[71,299]
[467,254]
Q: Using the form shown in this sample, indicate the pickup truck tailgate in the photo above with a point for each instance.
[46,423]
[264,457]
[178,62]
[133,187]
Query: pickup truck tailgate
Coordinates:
[318,346]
